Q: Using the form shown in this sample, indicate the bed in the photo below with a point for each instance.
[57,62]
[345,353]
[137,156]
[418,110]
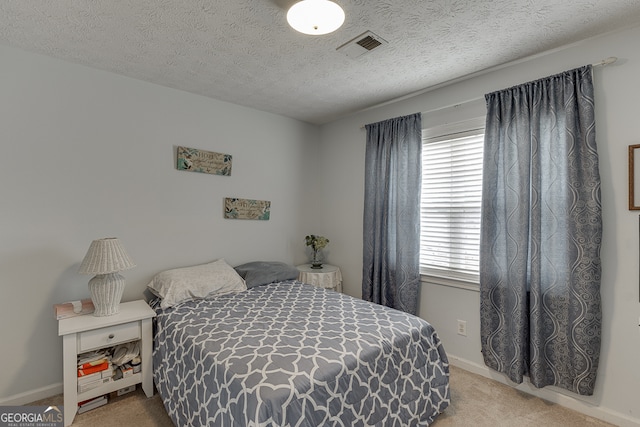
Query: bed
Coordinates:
[285,353]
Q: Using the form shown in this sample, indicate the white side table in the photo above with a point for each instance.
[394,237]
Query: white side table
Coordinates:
[85,333]
[328,277]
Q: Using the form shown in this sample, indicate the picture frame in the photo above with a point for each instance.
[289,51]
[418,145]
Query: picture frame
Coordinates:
[236,208]
[196,160]
[634,177]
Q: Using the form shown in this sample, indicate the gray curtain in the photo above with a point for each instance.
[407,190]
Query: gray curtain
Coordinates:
[541,232]
[391,255]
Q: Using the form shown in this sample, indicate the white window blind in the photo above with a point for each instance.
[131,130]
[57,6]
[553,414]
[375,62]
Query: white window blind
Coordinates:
[450,204]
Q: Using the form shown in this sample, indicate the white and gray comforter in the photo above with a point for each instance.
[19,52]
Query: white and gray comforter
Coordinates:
[290,354]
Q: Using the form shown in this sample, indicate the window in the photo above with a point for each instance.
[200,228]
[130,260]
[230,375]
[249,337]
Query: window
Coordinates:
[450,202]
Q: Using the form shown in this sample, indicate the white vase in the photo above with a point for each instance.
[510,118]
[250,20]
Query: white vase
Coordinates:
[106,293]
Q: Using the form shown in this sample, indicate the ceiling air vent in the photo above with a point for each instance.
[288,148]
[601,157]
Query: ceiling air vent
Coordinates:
[364,43]
[369,43]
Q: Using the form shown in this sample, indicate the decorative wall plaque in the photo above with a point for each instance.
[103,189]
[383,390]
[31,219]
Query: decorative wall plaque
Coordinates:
[246,209]
[194,160]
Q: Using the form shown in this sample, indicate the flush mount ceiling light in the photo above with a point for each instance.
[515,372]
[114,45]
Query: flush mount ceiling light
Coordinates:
[315,17]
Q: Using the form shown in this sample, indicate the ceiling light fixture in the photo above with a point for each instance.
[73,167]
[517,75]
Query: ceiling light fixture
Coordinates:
[315,17]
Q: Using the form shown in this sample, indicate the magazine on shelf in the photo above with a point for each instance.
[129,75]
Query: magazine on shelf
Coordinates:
[92,363]
[93,384]
[92,356]
[93,369]
[107,373]
[87,405]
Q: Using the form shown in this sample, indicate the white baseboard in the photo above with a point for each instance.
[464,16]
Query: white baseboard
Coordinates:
[551,394]
[32,395]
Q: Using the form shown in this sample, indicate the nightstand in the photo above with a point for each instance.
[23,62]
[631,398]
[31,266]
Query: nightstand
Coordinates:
[328,277]
[86,333]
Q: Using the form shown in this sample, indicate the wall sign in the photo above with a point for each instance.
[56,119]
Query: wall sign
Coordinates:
[246,209]
[194,160]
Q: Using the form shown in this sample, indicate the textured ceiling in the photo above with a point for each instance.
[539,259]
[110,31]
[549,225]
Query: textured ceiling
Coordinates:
[244,52]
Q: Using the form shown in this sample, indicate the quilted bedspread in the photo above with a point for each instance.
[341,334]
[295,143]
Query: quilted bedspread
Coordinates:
[291,354]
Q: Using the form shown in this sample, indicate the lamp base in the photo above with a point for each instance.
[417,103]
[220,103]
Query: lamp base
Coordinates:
[106,293]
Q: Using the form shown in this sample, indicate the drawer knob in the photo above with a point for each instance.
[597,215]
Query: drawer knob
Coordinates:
[111,336]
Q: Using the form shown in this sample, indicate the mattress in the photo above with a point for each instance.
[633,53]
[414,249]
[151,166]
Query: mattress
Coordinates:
[292,354]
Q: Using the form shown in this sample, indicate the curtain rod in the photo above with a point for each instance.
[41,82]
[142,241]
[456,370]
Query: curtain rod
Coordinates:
[607,61]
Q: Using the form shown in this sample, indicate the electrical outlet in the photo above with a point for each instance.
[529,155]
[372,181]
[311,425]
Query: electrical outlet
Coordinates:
[462,328]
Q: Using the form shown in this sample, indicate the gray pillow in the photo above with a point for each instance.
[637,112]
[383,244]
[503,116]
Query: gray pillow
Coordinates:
[259,273]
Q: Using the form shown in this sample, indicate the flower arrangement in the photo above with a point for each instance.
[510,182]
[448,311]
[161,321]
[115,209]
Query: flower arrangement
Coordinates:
[316,243]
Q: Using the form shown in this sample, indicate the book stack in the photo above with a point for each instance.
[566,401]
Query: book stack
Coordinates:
[90,404]
[94,370]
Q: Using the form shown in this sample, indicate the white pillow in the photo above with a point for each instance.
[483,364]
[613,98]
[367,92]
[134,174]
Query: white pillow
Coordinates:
[200,281]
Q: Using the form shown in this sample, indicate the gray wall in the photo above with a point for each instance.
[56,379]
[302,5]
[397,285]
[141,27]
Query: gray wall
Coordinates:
[88,154]
[617,94]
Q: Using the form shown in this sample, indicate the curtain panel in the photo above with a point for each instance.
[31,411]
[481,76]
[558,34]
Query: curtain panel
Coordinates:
[391,252]
[541,233]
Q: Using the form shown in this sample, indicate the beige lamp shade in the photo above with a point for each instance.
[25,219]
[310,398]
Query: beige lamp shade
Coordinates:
[105,258]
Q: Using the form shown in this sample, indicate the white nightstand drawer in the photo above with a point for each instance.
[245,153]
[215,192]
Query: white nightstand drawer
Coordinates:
[108,336]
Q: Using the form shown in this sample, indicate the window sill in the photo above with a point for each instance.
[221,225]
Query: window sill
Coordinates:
[452,283]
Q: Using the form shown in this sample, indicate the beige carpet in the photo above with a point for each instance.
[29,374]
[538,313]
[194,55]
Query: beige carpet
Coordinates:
[480,402]
[475,402]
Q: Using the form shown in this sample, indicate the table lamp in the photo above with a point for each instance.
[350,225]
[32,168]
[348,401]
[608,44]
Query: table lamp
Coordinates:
[105,258]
